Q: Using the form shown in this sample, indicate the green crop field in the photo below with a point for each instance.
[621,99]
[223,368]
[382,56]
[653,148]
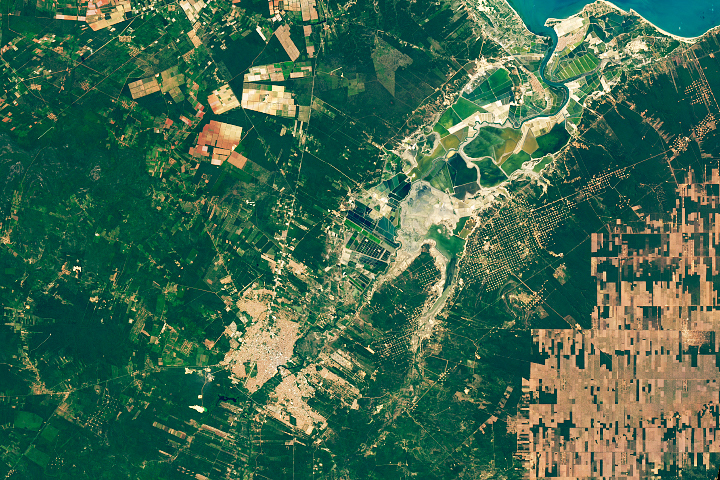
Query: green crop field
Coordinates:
[578,66]
[498,85]
[492,142]
[449,118]
[442,180]
[283,233]
[465,108]
[542,164]
[552,141]
[514,162]
[490,174]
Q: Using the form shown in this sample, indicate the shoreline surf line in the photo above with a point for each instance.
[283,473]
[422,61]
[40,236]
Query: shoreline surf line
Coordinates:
[686,40]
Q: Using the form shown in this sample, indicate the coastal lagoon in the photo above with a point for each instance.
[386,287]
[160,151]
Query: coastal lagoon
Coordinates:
[686,18]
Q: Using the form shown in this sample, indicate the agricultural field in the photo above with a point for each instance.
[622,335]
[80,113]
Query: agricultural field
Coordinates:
[426,162]
[450,142]
[542,164]
[497,86]
[572,68]
[447,121]
[454,176]
[320,240]
[490,174]
[465,108]
[492,142]
[442,179]
[514,162]
[552,141]
[458,112]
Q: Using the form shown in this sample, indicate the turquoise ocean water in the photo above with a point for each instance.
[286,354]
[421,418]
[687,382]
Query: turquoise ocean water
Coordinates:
[687,18]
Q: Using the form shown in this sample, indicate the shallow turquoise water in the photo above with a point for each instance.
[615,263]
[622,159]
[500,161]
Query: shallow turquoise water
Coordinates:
[687,18]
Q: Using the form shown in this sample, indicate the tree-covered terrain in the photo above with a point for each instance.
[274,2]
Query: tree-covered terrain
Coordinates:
[312,239]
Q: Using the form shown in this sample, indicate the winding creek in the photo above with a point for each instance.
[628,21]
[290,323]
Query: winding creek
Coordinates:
[565,95]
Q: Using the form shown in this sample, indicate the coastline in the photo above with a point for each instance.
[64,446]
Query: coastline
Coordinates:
[687,40]
[519,17]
